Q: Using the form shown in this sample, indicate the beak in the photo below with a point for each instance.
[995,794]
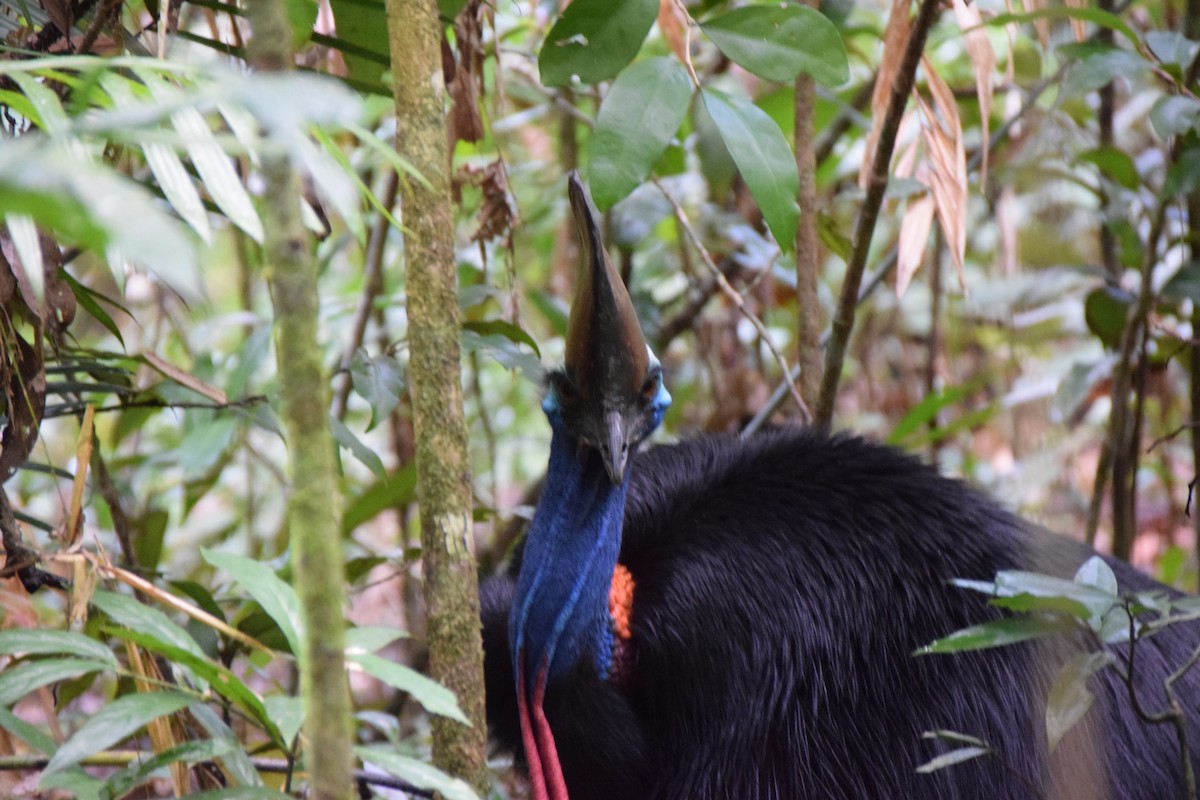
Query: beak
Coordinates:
[615,450]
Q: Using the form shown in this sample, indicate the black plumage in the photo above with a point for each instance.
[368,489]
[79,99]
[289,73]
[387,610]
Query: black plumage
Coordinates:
[782,585]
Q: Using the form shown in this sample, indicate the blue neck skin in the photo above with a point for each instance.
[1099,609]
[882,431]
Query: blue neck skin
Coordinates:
[560,613]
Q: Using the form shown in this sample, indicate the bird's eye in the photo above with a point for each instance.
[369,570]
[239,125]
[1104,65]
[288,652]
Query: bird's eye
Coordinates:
[650,387]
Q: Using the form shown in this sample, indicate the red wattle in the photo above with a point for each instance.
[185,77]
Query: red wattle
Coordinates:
[545,772]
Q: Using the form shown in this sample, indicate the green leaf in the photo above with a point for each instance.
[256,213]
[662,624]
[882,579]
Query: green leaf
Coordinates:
[16,641]
[1029,603]
[241,793]
[193,752]
[417,773]
[1096,573]
[364,25]
[1104,310]
[953,757]
[1184,285]
[114,722]
[1098,66]
[1104,19]
[86,298]
[1175,114]
[637,120]
[435,698]
[380,381]
[498,327]
[1070,698]
[30,734]
[393,491]
[996,633]
[778,42]
[18,681]
[287,713]
[1172,48]
[276,597]
[219,679]
[1114,164]
[346,438]
[371,639]
[301,16]
[764,158]
[1184,175]
[927,410]
[237,762]
[594,39]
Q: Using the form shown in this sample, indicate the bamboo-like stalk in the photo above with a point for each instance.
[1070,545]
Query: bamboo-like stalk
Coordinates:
[304,393]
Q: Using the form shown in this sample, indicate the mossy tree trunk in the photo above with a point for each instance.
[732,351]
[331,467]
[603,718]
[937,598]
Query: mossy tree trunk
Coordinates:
[443,470]
[304,392]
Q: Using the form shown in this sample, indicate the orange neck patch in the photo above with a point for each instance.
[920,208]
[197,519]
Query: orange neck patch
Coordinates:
[620,601]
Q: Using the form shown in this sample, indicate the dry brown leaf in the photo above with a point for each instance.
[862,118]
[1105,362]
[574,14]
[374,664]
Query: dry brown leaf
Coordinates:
[23,375]
[895,40]
[165,732]
[1078,26]
[185,379]
[1041,25]
[1006,224]
[983,59]
[914,235]
[909,144]
[671,22]
[948,163]
[83,586]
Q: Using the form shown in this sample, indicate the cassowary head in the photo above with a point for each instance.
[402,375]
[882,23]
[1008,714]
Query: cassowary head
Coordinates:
[609,393]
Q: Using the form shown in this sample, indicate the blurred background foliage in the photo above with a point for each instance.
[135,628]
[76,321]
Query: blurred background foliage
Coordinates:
[140,440]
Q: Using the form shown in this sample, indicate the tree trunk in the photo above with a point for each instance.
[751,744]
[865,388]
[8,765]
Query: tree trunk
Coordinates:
[304,388]
[443,474]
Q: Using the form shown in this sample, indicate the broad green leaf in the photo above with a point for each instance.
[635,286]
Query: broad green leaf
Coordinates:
[499,327]
[18,681]
[237,762]
[594,39]
[1105,310]
[435,698]
[276,597]
[1029,603]
[287,713]
[193,752]
[364,25]
[347,439]
[1070,698]
[778,42]
[392,491]
[88,299]
[301,16]
[1172,48]
[1175,114]
[1098,65]
[114,722]
[1113,163]
[417,773]
[1184,175]
[144,619]
[18,641]
[953,757]
[1097,574]
[335,179]
[764,158]
[76,784]
[380,381]
[637,120]
[1184,285]
[996,633]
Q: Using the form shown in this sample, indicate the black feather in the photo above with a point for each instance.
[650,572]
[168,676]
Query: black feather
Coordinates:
[782,585]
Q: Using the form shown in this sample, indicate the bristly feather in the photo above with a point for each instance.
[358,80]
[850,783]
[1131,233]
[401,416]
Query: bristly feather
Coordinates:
[782,586]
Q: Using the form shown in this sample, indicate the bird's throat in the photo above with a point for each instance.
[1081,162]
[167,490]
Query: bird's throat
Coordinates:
[560,614]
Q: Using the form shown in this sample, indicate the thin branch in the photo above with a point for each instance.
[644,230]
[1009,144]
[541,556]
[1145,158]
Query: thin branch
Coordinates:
[732,294]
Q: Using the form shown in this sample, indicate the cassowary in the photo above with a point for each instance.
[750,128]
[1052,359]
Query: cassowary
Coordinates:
[738,619]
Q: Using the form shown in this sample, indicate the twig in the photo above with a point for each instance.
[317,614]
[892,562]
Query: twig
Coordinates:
[732,294]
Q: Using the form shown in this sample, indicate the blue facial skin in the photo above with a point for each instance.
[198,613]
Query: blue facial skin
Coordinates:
[560,614]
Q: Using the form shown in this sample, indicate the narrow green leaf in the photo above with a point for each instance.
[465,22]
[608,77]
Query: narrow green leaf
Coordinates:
[18,681]
[52,118]
[18,641]
[192,752]
[217,172]
[144,619]
[1070,698]
[435,698]
[927,410]
[30,734]
[1029,603]
[778,42]
[594,39]
[1104,19]
[276,597]
[371,639]
[219,679]
[953,757]
[380,381]
[346,438]
[114,722]
[417,773]
[23,233]
[237,762]
[764,158]
[498,327]
[637,120]
[995,634]
[390,491]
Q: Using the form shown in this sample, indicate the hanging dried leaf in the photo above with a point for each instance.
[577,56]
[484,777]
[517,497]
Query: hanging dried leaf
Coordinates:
[495,215]
[463,76]
[914,234]
[1041,24]
[23,374]
[185,378]
[895,40]
[943,135]
[1006,224]
[672,22]
[1078,26]
[983,59]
